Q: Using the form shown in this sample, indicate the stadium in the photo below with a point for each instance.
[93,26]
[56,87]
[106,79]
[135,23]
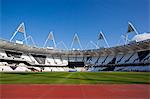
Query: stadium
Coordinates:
[76,73]
[50,72]
[74,49]
[18,56]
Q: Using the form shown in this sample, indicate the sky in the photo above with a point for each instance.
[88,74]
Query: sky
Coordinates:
[67,17]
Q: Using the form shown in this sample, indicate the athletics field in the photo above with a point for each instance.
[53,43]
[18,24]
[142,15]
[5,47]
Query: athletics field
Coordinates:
[75,85]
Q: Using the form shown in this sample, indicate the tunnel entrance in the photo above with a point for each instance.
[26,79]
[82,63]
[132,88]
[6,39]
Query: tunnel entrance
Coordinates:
[75,64]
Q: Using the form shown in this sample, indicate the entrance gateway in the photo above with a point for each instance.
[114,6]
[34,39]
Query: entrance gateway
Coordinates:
[75,64]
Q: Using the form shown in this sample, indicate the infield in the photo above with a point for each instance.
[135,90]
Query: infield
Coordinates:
[75,78]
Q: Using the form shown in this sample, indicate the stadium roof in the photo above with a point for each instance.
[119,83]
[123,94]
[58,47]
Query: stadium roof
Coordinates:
[131,47]
[141,37]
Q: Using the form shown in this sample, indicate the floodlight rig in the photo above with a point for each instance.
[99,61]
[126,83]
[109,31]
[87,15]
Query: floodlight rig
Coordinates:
[30,37]
[63,44]
[51,38]
[91,42]
[76,40]
[101,36]
[131,29]
[123,37]
[20,29]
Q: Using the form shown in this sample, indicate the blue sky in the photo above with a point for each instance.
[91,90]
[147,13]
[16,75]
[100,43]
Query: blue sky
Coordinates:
[67,17]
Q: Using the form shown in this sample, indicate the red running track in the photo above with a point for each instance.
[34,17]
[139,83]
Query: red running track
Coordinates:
[101,91]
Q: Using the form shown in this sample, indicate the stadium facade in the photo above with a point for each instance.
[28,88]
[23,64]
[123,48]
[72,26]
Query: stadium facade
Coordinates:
[20,57]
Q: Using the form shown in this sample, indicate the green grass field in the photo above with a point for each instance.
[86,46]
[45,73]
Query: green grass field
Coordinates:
[75,78]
